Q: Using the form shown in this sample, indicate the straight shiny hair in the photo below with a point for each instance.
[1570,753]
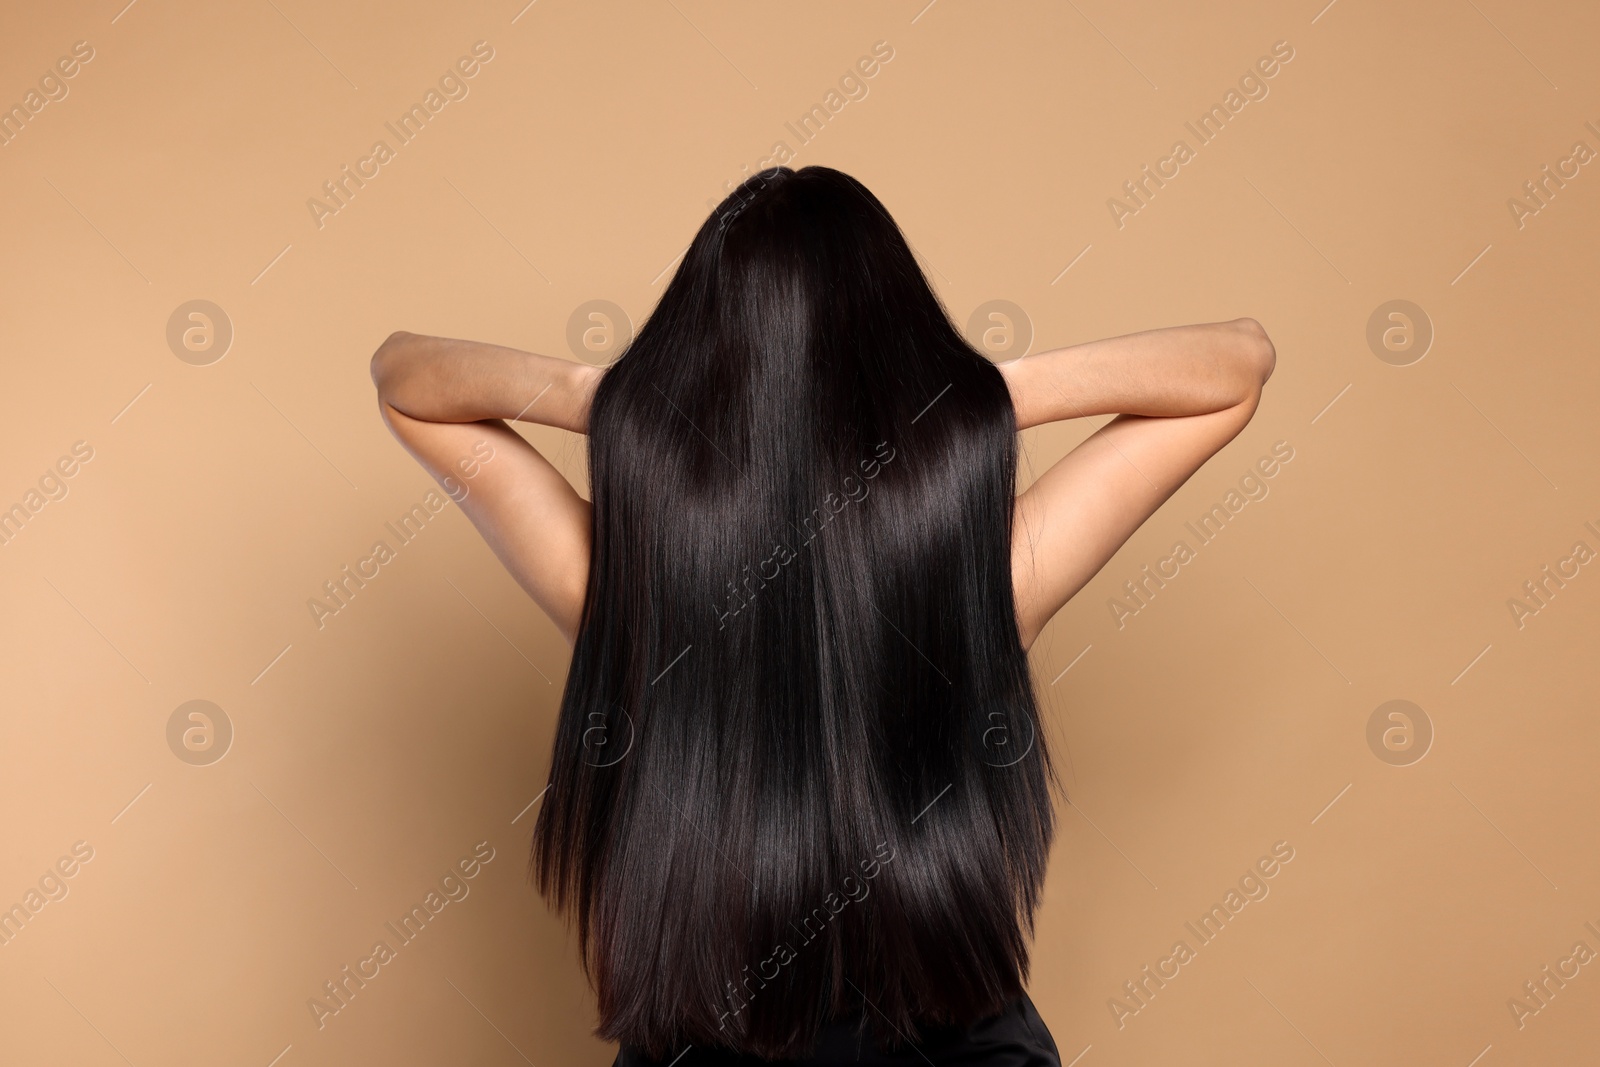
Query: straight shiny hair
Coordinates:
[799,769]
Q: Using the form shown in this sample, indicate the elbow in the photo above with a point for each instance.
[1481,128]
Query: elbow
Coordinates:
[385,360]
[1259,354]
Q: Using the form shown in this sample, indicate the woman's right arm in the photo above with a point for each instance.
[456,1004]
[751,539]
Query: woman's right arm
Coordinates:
[1179,395]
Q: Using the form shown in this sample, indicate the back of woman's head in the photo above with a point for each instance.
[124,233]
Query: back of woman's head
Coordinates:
[798,764]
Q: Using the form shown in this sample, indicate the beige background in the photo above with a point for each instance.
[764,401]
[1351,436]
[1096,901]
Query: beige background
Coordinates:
[1229,714]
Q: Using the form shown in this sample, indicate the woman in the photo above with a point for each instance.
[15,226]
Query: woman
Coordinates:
[799,802]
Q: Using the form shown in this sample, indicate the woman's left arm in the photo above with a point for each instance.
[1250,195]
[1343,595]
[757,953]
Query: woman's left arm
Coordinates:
[448,401]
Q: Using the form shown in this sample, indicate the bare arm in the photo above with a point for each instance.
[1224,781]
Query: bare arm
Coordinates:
[446,401]
[1179,395]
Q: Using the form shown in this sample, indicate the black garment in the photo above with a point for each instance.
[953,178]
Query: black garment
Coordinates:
[1017,1037]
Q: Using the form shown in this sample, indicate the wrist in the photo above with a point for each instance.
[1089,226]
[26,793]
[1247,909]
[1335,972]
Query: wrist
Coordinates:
[1012,373]
[586,381]
[558,392]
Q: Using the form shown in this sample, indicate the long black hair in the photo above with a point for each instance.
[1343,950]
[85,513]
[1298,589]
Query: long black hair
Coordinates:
[799,769]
